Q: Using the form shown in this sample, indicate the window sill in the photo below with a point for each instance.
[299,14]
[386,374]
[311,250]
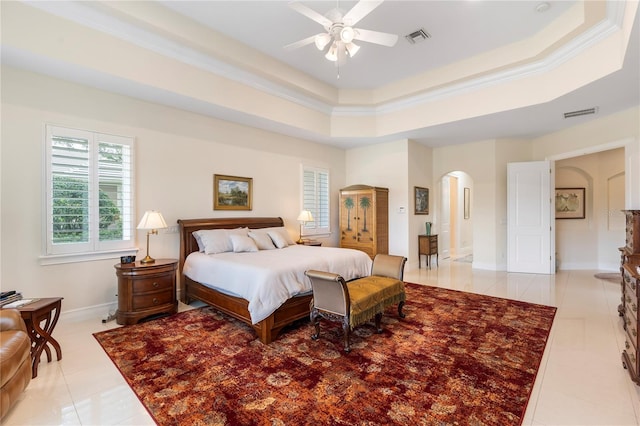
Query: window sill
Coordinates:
[56,259]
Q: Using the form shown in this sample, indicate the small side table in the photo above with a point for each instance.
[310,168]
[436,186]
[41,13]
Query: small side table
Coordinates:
[428,245]
[314,243]
[47,311]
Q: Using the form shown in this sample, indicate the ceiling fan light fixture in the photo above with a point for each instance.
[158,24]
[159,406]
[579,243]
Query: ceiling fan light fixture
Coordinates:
[332,54]
[347,34]
[352,49]
[322,40]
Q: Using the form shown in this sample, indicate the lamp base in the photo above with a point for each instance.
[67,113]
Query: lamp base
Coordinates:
[148,259]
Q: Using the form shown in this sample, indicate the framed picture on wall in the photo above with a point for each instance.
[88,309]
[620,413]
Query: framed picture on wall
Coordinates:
[421,200]
[467,203]
[570,203]
[232,192]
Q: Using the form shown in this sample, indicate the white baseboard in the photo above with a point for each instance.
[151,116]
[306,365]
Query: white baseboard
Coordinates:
[95,312]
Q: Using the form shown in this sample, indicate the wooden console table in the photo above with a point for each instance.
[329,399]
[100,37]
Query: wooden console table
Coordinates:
[34,314]
[428,245]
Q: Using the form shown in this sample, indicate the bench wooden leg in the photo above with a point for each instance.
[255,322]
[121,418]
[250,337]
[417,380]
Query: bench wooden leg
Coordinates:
[400,313]
[347,331]
[314,320]
[378,320]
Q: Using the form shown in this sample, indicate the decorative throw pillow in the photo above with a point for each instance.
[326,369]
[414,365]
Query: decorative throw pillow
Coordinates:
[262,239]
[278,239]
[242,243]
[283,231]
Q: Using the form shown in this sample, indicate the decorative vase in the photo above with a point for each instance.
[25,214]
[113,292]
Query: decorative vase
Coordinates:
[428,224]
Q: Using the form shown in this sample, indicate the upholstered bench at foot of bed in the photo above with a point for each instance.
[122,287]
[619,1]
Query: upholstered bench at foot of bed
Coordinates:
[353,303]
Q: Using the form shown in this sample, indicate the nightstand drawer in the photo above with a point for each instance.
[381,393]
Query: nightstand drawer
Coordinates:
[145,285]
[152,299]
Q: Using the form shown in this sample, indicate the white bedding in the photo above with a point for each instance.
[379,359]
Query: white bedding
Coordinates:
[268,278]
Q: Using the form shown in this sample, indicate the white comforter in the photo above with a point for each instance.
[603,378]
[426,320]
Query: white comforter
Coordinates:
[268,278]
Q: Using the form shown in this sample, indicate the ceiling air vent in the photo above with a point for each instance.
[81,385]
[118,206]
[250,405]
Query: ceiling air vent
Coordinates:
[417,36]
[581,112]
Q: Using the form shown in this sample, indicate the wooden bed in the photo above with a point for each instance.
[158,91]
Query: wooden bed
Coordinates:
[267,329]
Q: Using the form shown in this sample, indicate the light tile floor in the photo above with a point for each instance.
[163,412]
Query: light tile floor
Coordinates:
[580,382]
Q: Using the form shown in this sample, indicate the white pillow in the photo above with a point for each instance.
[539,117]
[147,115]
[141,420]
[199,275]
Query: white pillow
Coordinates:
[212,241]
[283,231]
[242,243]
[262,239]
[278,239]
[196,235]
[215,240]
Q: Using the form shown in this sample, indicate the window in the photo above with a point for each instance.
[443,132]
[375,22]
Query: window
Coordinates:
[89,183]
[315,198]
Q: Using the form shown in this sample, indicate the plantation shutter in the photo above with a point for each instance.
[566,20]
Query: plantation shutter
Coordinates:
[315,198]
[115,190]
[89,192]
[69,188]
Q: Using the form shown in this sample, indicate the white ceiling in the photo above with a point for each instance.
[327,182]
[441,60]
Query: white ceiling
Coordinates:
[459,29]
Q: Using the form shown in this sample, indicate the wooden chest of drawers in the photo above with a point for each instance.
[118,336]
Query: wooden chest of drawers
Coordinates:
[631,282]
[146,290]
[628,309]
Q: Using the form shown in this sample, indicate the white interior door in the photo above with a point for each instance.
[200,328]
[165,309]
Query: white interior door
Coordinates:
[530,242]
[445,220]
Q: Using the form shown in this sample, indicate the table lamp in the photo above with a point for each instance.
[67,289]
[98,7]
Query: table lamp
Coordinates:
[152,220]
[303,218]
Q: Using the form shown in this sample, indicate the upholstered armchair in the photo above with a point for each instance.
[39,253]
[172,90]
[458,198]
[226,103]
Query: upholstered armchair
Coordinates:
[358,301]
[15,358]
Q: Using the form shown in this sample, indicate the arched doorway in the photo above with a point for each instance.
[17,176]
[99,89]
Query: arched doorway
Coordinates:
[456,224]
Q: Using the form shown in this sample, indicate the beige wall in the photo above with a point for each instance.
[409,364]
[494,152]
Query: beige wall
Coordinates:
[177,153]
[385,165]
[420,174]
[592,243]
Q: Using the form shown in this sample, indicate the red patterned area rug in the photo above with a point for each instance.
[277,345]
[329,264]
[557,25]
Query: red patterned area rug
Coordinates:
[456,359]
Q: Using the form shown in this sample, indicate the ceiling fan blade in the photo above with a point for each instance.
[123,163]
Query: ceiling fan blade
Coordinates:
[360,10]
[311,14]
[301,43]
[376,37]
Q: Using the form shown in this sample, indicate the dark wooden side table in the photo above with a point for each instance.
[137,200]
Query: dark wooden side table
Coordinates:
[41,317]
[146,289]
[428,245]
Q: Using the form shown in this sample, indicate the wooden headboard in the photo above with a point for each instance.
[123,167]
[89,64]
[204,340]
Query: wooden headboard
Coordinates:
[188,243]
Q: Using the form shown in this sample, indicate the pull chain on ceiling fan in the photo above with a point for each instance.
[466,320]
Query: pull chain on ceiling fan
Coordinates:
[337,40]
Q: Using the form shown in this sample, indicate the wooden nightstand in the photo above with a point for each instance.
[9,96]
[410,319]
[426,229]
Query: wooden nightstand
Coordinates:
[145,290]
[311,243]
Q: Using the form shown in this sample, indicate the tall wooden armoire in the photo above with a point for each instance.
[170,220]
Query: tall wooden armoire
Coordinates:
[364,219]
[630,268]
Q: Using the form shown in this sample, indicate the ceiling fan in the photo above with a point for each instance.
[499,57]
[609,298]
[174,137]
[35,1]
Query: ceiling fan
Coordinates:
[338,39]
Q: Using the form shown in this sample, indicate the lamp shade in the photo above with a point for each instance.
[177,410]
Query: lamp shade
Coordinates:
[152,220]
[322,40]
[352,48]
[305,216]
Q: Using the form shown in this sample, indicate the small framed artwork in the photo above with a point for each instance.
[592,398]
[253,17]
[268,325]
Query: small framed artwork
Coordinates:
[232,192]
[467,203]
[421,200]
[570,203]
